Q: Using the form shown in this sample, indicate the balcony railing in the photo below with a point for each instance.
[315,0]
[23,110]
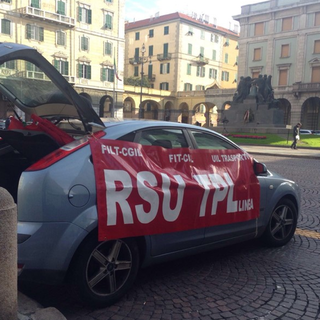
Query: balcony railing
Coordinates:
[200,60]
[135,60]
[152,78]
[163,57]
[306,87]
[46,15]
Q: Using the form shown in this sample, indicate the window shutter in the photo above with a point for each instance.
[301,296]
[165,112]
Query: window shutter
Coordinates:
[28,31]
[168,67]
[88,72]
[56,64]
[90,16]
[103,74]
[66,68]
[109,23]
[111,75]
[41,34]
[150,71]
[165,49]
[35,4]
[79,14]
[80,71]
[161,68]
[214,55]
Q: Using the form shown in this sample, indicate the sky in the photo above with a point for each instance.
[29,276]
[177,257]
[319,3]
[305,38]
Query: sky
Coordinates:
[222,10]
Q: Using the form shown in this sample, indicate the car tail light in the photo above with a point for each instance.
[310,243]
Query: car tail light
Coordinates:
[62,152]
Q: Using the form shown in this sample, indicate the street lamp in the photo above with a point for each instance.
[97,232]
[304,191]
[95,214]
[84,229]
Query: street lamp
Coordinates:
[142,60]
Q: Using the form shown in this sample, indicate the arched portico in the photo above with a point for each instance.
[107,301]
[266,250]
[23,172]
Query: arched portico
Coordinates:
[128,108]
[310,113]
[105,105]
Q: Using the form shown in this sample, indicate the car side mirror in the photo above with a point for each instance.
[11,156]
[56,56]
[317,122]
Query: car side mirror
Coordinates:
[259,168]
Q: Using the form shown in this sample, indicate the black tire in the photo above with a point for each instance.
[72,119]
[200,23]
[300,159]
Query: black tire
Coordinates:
[104,271]
[282,224]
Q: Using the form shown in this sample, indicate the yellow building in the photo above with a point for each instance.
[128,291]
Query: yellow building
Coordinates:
[181,55]
[81,39]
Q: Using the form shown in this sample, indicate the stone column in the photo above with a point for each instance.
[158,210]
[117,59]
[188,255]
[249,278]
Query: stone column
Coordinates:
[8,257]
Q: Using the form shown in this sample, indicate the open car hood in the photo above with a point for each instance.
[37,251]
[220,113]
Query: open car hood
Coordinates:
[35,86]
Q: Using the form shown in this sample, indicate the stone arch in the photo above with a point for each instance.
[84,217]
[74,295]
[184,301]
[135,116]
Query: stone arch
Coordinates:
[205,113]
[150,109]
[285,106]
[184,113]
[128,107]
[310,113]
[105,105]
[168,111]
[86,95]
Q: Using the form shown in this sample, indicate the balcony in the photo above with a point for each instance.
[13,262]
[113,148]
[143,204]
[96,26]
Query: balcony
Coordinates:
[200,60]
[299,87]
[52,17]
[135,60]
[163,57]
[152,78]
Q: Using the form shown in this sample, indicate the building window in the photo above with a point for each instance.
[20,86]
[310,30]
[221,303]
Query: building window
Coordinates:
[165,50]
[137,36]
[108,48]
[316,46]
[187,87]
[84,70]
[189,48]
[84,43]
[150,51]
[166,30]
[61,7]
[61,38]
[84,14]
[107,74]
[164,68]
[151,33]
[226,43]
[150,72]
[201,71]
[108,1]
[255,74]
[34,32]
[5,26]
[108,20]
[136,71]
[259,29]
[164,86]
[189,69]
[317,19]
[285,51]
[8,65]
[315,74]
[202,35]
[199,88]
[35,4]
[226,58]
[7,1]
[213,73]
[62,66]
[283,77]
[287,24]
[225,76]
[214,55]
[257,54]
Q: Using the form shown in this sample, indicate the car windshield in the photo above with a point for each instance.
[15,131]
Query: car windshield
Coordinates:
[28,84]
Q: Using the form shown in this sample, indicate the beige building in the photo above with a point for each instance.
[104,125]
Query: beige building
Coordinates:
[81,39]
[177,57]
[281,38]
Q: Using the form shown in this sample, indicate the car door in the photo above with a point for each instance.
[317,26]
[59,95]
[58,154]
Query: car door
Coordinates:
[233,231]
[169,138]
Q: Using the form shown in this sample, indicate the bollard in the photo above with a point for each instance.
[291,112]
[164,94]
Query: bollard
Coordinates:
[8,257]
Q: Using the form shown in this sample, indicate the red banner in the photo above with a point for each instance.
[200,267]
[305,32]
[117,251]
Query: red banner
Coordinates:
[144,190]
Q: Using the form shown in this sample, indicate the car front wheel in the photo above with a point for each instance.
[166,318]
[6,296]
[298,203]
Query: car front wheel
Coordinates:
[282,224]
[104,271]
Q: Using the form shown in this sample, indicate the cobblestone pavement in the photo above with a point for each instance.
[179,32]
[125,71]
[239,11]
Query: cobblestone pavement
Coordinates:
[242,282]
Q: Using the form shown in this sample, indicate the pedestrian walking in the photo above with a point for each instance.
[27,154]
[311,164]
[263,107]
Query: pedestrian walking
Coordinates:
[296,135]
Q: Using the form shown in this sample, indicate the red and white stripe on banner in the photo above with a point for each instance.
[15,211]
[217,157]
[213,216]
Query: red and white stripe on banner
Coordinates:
[144,190]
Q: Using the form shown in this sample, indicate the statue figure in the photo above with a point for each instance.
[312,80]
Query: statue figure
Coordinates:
[243,89]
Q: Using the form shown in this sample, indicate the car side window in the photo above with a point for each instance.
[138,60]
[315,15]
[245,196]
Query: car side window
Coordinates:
[164,137]
[206,140]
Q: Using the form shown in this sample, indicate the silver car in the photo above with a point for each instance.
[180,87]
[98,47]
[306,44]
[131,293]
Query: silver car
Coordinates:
[51,175]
